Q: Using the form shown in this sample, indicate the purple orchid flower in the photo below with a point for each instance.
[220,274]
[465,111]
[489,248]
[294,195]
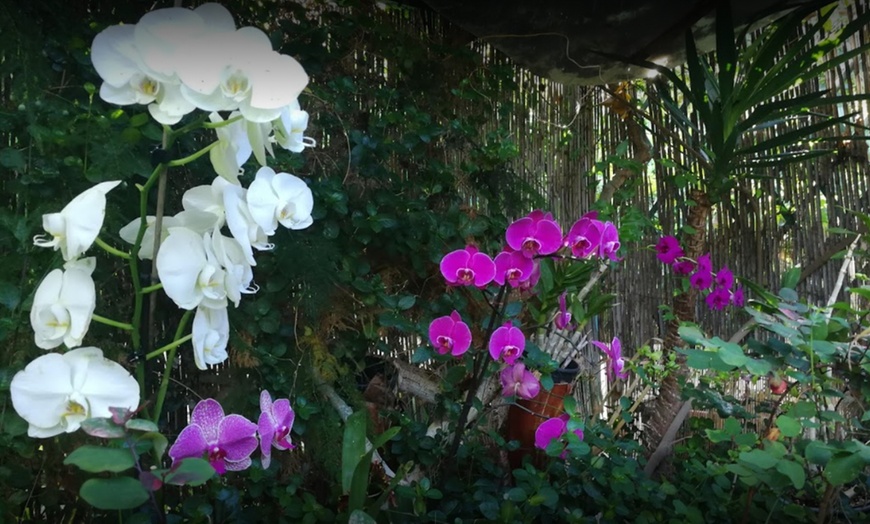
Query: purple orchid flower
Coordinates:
[563,318]
[507,342]
[517,380]
[701,279]
[668,250]
[450,334]
[683,267]
[554,429]
[276,421]
[584,237]
[724,278]
[609,243]
[719,298]
[227,440]
[512,267]
[738,298]
[468,266]
[528,285]
[616,364]
[536,234]
[705,265]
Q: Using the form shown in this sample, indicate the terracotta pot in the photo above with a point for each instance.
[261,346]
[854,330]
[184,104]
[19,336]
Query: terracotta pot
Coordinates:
[522,423]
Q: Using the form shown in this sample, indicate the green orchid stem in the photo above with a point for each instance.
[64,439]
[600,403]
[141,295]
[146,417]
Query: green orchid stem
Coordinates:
[150,289]
[480,367]
[170,359]
[168,347]
[191,158]
[114,323]
[111,250]
[217,125]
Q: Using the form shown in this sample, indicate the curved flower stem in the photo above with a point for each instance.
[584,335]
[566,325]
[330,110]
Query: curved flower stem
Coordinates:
[151,288]
[170,359]
[216,125]
[112,250]
[190,158]
[114,323]
[480,367]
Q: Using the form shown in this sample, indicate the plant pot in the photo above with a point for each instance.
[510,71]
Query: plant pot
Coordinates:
[523,419]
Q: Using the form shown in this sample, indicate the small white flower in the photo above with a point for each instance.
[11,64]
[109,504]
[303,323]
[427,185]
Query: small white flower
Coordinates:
[233,148]
[290,129]
[77,226]
[280,198]
[211,332]
[55,392]
[63,305]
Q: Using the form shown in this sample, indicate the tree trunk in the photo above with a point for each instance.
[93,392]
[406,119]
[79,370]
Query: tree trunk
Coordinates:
[667,404]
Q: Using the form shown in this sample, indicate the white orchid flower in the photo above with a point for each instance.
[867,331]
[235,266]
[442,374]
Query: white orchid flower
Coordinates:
[76,227]
[290,129]
[63,305]
[189,270]
[238,273]
[207,199]
[211,332]
[55,392]
[280,198]
[241,223]
[197,221]
[233,149]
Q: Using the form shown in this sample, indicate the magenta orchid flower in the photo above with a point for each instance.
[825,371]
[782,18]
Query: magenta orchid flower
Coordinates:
[512,267]
[527,285]
[536,234]
[668,250]
[468,266]
[228,441]
[507,343]
[616,364]
[609,243]
[683,267]
[517,380]
[584,237]
[705,265]
[719,298]
[450,334]
[738,298]
[554,429]
[724,278]
[701,279]
[276,421]
[563,318]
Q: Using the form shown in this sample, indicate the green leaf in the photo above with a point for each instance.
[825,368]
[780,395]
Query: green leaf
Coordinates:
[158,442]
[406,302]
[360,482]
[359,516]
[758,367]
[788,426]
[759,458]
[10,295]
[691,334]
[141,424]
[103,428]
[732,354]
[353,447]
[791,278]
[794,471]
[189,472]
[12,159]
[746,439]
[114,493]
[819,453]
[96,459]
[803,409]
[385,437]
[844,468]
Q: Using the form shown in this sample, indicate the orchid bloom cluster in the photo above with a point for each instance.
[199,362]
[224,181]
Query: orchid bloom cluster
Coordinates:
[555,428]
[701,277]
[228,441]
[517,267]
[615,362]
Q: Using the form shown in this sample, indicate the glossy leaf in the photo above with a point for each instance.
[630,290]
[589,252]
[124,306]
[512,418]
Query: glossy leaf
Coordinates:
[114,493]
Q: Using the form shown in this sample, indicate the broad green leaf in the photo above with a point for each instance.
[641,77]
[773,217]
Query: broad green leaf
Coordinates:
[746,439]
[359,516]
[758,367]
[732,354]
[842,469]
[788,426]
[353,447]
[158,442]
[406,302]
[803,409]
[114,493]
[189,472]
[103,428]
[141,424]
[96,459]
[385,437]
[691,334]
[359,484]
[791,278]
[794,471]
[759,458]
[819,453]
